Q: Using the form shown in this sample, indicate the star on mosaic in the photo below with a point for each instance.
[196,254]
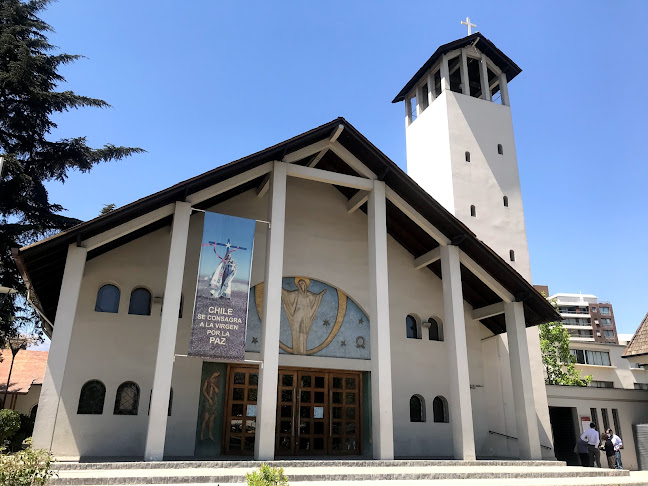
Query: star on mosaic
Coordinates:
[255,340]
[326,323]
[360,321]
[343,343]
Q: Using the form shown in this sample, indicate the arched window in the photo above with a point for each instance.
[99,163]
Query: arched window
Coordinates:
[107,299]
[33,411]
[505,199]
[140,302]
[500,149]
[436,330]
[473,211]
[412,327]
[440,409]
[91,400]
[467,156]
[127,399]
[417,408]
[512,255]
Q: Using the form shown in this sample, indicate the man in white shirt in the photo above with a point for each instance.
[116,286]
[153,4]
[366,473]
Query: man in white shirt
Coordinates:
[591,436]
[616,442]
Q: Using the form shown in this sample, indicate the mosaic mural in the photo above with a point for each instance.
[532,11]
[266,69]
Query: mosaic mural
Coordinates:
[316,320]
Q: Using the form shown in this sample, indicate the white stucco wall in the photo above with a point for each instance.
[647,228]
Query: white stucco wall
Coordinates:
[323,241]
[437,142]
[25,402]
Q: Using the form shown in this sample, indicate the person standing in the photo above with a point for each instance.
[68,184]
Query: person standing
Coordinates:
[618,445]
[608,447]
[591,436]
[582,449]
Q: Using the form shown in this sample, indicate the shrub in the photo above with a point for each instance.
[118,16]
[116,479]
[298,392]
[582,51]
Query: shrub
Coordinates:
[26,429]
[267,476]
[31,467]
[9,425]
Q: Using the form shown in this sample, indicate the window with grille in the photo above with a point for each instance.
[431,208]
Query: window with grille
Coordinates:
[440,409]
[617,422]
[107,299]
[140,302]
[606,419]
[601,384]
[91,400]
[417,409]
[127,399]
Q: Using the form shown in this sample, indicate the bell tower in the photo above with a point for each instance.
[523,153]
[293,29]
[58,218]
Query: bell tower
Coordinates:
[460,143]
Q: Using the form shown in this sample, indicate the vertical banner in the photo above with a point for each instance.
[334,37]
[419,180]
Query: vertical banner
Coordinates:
[221,305]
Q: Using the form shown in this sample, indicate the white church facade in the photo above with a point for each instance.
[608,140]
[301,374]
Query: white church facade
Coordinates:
[423,340]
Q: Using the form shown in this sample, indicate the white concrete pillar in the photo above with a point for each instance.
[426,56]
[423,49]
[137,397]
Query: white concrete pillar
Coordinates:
[382,421]
[465,85]
[460,405]
[445,73]
[522,381]
[157,421]
[483,78]
[50,395]
[264,443]
[503,85]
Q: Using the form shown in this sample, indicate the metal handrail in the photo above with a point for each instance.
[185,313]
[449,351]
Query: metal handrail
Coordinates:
[515,438]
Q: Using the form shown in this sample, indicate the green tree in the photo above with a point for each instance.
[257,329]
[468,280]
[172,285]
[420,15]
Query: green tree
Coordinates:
[558,362]
[28,100]
[107,209]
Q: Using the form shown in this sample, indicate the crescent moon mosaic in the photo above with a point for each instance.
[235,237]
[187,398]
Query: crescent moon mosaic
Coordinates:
[314,315]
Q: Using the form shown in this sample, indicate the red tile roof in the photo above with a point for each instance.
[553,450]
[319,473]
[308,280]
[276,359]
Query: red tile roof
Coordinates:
[28,370]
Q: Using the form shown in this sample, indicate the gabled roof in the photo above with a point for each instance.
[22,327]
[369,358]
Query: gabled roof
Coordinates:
[42,263]
[477,39]
[28,369]
[639,344]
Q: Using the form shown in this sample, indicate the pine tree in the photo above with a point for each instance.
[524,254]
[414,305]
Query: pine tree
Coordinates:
[28,99]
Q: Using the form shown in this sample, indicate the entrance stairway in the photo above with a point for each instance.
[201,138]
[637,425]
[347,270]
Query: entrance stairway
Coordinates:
[343,473]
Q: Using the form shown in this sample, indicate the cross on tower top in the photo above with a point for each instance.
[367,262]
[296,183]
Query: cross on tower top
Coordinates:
[467,23]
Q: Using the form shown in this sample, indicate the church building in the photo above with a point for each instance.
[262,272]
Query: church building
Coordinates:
[390,314]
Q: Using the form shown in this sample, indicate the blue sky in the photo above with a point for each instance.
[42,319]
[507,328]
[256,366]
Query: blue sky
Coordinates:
[201,83]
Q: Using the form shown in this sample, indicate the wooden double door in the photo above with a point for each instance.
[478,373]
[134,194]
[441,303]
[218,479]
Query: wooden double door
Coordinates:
[319,412]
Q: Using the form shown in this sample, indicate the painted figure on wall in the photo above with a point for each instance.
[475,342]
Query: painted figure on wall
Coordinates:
[317,319]
[301,306]
[210,405]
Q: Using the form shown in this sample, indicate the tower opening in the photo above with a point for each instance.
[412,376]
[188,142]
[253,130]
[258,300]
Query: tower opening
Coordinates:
[473,211]
[454,68]
[474,81]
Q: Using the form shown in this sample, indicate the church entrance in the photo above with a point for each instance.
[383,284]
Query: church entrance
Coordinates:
[319,412]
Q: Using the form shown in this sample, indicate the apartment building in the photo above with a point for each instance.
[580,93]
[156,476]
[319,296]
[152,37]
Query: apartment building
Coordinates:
[586,319]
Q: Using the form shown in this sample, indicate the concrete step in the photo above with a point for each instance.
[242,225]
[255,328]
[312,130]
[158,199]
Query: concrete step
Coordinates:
[317,473]
[316,462]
